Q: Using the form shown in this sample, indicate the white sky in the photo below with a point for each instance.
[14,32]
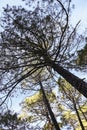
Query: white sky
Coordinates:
[79,13]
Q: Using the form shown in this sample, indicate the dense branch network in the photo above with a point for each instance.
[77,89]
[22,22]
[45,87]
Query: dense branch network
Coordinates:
[32,41]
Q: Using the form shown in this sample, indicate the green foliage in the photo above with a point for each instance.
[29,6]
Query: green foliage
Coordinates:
[82,57]
[84,108]
[37,97]
[32,41]
[34,109]
[69,98]
[68,92]
[10,120]
[33,99]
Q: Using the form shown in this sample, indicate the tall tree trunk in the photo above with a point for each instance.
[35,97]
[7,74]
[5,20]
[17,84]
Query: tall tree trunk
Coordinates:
[79,119]
[50,125]
[76,82]
[49,108]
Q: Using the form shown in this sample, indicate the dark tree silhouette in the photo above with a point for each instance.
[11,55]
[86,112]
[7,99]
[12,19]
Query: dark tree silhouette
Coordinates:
[46,101]
[10,121]
[37,40]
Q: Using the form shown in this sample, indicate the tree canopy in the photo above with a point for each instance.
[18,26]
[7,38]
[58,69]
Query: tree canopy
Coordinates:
[35,40]
[37,44]
[82,57]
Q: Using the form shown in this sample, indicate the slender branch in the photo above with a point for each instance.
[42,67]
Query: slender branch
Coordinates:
[63,31]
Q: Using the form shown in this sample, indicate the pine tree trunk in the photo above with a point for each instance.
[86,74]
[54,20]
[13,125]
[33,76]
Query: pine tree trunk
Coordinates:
[79,119]
[49,108]
[76,82]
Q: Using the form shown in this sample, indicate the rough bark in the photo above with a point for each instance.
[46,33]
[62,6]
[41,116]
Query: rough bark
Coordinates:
[75,81]
[49,108]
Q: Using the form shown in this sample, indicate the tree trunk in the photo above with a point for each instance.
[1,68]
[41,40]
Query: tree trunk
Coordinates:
[76,82]
[79,119]
[50,125]
[49,108]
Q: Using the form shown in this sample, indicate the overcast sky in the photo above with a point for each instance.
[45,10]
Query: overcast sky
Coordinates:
[80,12]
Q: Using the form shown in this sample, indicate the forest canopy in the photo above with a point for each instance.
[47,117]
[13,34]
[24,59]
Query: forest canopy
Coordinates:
[37,45]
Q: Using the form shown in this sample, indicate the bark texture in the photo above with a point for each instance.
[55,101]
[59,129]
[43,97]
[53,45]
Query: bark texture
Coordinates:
[76,82]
